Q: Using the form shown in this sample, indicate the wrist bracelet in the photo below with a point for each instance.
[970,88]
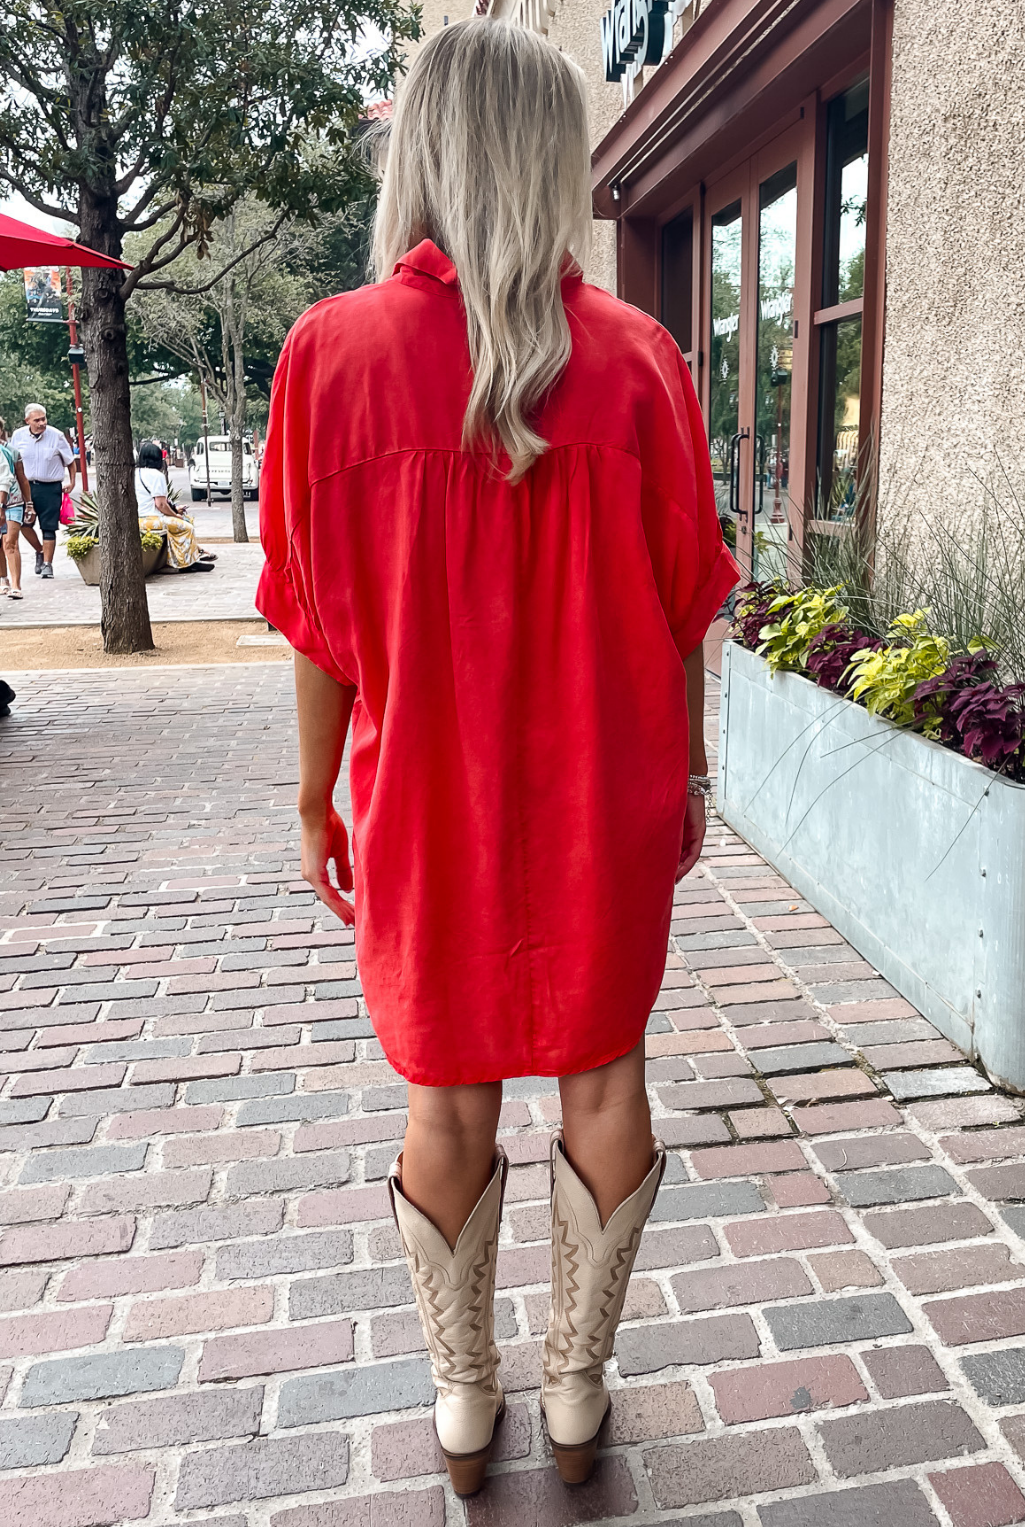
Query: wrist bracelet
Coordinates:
[699,784]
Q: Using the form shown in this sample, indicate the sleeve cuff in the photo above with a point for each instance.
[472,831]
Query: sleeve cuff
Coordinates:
[724,575]
[277,602]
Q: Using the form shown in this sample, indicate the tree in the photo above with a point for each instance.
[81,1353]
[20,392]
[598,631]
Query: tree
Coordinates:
[127,117]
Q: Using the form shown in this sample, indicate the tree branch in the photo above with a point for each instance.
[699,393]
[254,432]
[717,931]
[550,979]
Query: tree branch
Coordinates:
[197,291]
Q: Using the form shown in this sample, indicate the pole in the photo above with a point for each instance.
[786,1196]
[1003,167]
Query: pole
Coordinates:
[76,378]
[206,439]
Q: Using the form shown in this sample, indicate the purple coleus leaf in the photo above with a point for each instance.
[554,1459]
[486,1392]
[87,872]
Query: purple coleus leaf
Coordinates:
[934,699]
[991,723]
[756,599]
[830,653]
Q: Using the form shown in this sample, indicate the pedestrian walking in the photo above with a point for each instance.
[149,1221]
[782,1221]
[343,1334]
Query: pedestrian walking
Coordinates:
[45,453]
[491,537]
[16,514]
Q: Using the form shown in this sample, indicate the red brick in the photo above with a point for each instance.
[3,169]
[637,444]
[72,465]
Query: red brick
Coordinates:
[785,922]
[727,1287]
[845,1269]
[153,1319]
[334,1133]
[74,1079]
[690,1019]
[289,1057]
[232,1145]
[20,1289]
[983,1496]
[66,1239]
[942,1114]
[202,1023]
[99,1497]
[644,1412]
[89,1033]
[801,1188]
[143,1122]
[758,991]
[728,1468]
[182,1068]
[927,1225]
[255,1352]
[787,1232]
[529,1264]
[739,975]
[385,1508]
[1014,1430]
[53,1330]
[978,1317]
[984,1144]
[342,1206]
[20,1206]
[746,1160]
[831,1118]
[523,1149]
[146,1190]
[901,1371]
[13,1064]
[695,1042]
[407,1449]
[783,1389]
[877,1011]
[759,1036]
[938,1272]
[814,1086]
[758,1123]
[925,1052]
[223,980]
[130,956]
[1000,1182]
[311,1012]
[132,1275]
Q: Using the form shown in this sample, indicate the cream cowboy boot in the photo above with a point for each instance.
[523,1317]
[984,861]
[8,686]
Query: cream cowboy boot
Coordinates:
[591,1269]
[455,1297]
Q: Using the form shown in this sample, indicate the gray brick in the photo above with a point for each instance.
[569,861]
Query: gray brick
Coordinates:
[710,1339]
[204,1417]
[530,1087]
[159,1007]
[319,1169]
[221,1091]
[811,1057]
[379,1099]
[263,1468]
[711,1200]
[343,1028]
[114,991]
[899,1437]
[327,991]
[302,1106]
[102,1375]
[369,1289]
[826,1321]
[937,1082]
[116,1100]
[23,1110]
[873,1506]
[900,1186]
[1015,1219]
[101,1161]
[216,1222]
[688,941]
[29,1137]
[998,1377]
[854,1155]
[728,1093]
[139,1049]
[895,1031]
[351,1392]
[70,904]
[284,1254]
[28,1441]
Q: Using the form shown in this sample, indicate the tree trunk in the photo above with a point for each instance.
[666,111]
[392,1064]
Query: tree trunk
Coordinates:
[124,619]
[235,387]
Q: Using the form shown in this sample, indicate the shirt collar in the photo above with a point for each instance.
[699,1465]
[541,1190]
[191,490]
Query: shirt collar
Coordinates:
[428,260]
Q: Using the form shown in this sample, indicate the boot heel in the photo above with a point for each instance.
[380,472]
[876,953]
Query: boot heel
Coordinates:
[467,1471]
[576,1462]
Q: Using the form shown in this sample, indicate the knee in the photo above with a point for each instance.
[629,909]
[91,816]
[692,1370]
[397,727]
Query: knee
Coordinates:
[620,1084]
[456,1116]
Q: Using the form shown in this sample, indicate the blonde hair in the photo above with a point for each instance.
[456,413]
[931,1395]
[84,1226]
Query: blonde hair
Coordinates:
[488,156]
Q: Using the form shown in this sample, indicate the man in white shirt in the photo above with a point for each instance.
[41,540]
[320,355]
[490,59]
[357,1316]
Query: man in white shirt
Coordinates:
[44,453]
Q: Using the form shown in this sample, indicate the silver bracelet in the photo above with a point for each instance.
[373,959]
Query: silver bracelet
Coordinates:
[699,784]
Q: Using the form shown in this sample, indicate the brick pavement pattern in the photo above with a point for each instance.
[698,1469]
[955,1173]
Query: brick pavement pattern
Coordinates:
[204,1316]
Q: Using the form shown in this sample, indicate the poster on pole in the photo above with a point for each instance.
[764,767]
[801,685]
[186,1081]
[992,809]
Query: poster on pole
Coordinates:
[43,294]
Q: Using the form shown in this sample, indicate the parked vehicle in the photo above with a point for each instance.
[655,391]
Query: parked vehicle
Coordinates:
[220,468]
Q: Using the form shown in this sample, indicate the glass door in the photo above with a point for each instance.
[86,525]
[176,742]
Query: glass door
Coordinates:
[727,353]
[777,265]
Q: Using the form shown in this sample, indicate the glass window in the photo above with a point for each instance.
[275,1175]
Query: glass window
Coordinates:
[846,197]
[777,257]
[840,419]
[724,357]
[678,280]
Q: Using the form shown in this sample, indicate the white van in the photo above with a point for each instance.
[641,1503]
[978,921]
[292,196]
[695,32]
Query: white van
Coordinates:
[220,468]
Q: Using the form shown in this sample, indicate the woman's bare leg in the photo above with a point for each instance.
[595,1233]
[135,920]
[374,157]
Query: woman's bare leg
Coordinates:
[606,1128]
[449,1152]
[12,552]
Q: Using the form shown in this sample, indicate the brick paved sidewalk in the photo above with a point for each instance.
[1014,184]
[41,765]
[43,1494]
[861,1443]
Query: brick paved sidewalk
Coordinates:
[206,1316]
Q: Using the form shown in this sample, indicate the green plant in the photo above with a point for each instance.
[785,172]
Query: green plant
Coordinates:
[795,618]
[87,519]
[152,540]
[79,546]
[885,681]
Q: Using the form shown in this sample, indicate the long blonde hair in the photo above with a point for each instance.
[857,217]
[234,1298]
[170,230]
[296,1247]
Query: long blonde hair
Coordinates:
[488,156]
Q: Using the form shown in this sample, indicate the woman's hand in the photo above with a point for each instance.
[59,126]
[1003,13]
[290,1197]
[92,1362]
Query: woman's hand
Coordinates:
[325,842]
[693,836]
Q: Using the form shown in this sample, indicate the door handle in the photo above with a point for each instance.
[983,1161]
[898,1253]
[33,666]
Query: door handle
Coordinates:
[760,449]
[735,507]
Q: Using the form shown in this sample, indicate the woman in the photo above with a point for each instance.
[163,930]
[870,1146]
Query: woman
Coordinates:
[184,553]
[491,538]
[17,515]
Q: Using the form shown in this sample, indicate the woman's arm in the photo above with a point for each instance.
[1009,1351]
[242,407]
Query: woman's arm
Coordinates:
[325,708]
[694,822]
[162,506]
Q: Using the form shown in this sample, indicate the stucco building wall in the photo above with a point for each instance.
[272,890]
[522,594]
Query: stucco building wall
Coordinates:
[954,367]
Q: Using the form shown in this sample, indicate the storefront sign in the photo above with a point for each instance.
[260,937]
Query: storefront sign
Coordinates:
[633,32]
[43,294]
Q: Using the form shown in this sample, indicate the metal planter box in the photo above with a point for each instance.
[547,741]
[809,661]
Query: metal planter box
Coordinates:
[915,854]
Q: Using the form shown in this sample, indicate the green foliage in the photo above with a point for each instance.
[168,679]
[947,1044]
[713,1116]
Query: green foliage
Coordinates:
[33,361]
[885,682]
[86,523]
[795,618]
[151,540]
[79,546]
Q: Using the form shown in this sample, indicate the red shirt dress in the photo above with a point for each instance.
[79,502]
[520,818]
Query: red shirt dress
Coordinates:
[519,751]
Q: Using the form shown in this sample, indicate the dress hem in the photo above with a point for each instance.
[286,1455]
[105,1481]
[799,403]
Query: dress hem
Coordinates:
[603,1059]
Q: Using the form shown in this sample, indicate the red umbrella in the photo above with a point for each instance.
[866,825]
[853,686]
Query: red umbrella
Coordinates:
[21,245]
